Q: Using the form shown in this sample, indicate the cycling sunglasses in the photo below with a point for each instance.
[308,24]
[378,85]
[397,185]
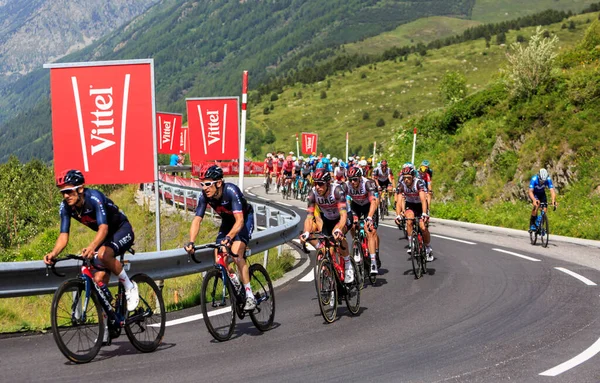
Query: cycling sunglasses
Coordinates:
[68,190]
[320,183]
[208,183]
[355,179]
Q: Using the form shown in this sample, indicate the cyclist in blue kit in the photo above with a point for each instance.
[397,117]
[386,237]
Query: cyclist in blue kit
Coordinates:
[537,194]
[237,222]
[96,211]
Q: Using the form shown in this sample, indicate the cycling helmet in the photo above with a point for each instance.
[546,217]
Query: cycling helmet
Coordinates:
[354,172]
[425,163]
[281,156]
[362,163]
[334,159]
[422,169]
[383,163]
[321,175]
[293,158]
[212,173]
[300,158]
[407,171]
[70,177]
[269,155]
[543,175]
[328,156]
[325,161]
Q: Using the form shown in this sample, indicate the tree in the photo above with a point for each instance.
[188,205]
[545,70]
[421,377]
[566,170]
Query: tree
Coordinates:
[323,94]
[270,137]
[453,87]
[530,67]
[274,97]
[366,116]
[501,38]
[380,123]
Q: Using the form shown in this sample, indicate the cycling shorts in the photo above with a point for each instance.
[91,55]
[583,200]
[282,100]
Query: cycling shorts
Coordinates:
[416,208]
[362,211]
[245,233]
[384,184]
[329,224]
[541,197]
[287,173]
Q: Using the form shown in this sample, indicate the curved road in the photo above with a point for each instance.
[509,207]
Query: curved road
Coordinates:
[493,308]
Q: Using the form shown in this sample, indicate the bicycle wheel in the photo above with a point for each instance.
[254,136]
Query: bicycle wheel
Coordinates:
[318,257]
[77,334]
[353,292]
[367,268]
[415,256]
[145,326]
[327,291]
[423,253]
[533,235]
[266,186]
[357,255]
[218,305]
[545,231]
[264,313]
[381,210]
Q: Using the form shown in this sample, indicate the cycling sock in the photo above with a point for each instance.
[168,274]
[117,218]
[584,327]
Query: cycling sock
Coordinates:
[124,279]
[347,261]
[372,257]
[249,293]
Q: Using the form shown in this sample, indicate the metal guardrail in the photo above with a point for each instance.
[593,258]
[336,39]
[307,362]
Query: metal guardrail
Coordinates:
[30,278]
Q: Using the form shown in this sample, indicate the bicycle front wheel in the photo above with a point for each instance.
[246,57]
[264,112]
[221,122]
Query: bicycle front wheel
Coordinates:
[77,330]
[264,313]
[327,291]
[545,231]
[218,305]
[358,260]
[415,256]
[145,326]
[353,292]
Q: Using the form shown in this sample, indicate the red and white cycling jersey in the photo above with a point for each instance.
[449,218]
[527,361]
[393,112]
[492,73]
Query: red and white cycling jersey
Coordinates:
[411,193]
[364,193]
[330,204]
[269,164]
[382,175]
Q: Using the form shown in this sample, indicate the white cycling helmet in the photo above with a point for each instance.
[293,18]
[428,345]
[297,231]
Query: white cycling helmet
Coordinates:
[300,158]
[281,157]
[362,163]
[334,159]
[269,155]
[328,156]
[543,175]
[293,158]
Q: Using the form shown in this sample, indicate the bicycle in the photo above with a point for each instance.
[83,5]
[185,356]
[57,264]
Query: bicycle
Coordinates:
[402,228]
[384,204]
[267,182]
[287,188]
[360,250]
[305,189]
[222,300]
[330,284]
[542,228]
[418,253]
[77,308]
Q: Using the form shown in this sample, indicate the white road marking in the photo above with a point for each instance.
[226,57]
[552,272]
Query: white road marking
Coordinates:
[518,255]
[284,204]
[569,364]
[308,277]
[573,274]
[192,318]
[252,194]
[453,239]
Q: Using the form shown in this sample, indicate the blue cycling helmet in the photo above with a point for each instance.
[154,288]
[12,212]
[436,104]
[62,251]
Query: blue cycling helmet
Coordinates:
[425,163]
[70,177]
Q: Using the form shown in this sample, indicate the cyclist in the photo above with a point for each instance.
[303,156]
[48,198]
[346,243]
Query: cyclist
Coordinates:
[537,194]
[363,203]
[426,177]
[331,202]
[114,232]
[269,168]
[411,203]
[279,170]
[339,171]
[237,222]
[287,170]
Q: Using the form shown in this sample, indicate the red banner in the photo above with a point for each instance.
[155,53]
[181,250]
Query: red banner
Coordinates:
[309,143]
[184,139]
[168,132]
[213,128]
[229,168]
[102,120]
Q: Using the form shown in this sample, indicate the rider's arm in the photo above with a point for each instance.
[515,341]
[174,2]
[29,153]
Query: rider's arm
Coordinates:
[340,198]
[308,222]
[195,228]
[61,243]
[531,196]
[372,199]
[422,195]
[552,192]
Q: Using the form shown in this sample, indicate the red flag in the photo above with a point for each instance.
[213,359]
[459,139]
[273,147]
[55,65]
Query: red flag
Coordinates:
[184,139]
[213,128]
[102,120]
[168,132]
[309,143]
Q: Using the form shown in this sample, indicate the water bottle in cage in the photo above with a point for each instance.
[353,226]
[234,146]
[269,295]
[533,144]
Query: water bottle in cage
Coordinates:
[236,282]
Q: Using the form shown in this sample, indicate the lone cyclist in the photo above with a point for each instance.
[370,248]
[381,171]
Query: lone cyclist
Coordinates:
[99,213]
[537,194]
[237,222]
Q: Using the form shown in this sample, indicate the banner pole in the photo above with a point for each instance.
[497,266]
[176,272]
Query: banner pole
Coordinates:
[373,158]
[297,146]
[412,160]
[346,146]
[154,145]
[243,130]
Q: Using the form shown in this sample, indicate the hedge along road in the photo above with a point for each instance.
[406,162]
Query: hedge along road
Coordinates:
[492,308]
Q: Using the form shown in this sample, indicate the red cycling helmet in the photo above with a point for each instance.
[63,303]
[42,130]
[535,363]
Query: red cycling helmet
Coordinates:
[354,172]
[321,175]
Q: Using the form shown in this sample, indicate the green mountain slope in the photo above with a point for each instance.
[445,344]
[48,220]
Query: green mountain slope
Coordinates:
[493,11]
[201,48]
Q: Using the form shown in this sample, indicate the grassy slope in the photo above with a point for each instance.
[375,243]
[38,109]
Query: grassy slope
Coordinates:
[493,11]
[388,86]
[423,31]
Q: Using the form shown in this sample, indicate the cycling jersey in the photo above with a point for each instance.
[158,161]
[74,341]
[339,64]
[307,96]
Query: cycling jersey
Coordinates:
[539,188]
[269,164]
[97,210]
[306,170]
[364,193]
[411,193]
[339,173]
[232,201]
[329,204]
[382,175]
[288,166]
[297,168]
[279,164]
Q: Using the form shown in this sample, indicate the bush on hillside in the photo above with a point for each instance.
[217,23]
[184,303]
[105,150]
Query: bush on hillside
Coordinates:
[530,67]
[586,52]
[453,87]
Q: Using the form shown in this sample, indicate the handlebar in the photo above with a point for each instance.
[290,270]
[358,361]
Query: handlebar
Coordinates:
[319,236]
[77,257]
[212,246]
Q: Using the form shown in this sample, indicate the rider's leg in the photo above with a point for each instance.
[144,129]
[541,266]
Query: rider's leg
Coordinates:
[533,217]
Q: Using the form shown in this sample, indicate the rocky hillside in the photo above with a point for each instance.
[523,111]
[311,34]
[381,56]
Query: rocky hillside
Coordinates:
[33,32]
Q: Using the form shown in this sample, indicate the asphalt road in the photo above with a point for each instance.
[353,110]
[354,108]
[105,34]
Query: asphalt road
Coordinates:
[481,315]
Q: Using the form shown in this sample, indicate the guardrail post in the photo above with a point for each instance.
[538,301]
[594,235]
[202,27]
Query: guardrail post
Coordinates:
[267,225]
[279,223]
[255,208]
[185,201]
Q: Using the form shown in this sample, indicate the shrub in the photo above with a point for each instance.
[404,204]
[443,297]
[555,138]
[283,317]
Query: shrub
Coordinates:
[530,67]
[323,94]
[380,123]
[366,116]
[363,75]
[274,97]
[266,110]
[397,114]
[453,87]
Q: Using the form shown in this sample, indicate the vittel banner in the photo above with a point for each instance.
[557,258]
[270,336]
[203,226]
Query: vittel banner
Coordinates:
[103,120]
[213,126]
[184,139]
[309,143]
[168,126]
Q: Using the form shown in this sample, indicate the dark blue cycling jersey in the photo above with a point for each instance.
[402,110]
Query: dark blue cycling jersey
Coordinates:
[97,210]
[232,201]
[540,187]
